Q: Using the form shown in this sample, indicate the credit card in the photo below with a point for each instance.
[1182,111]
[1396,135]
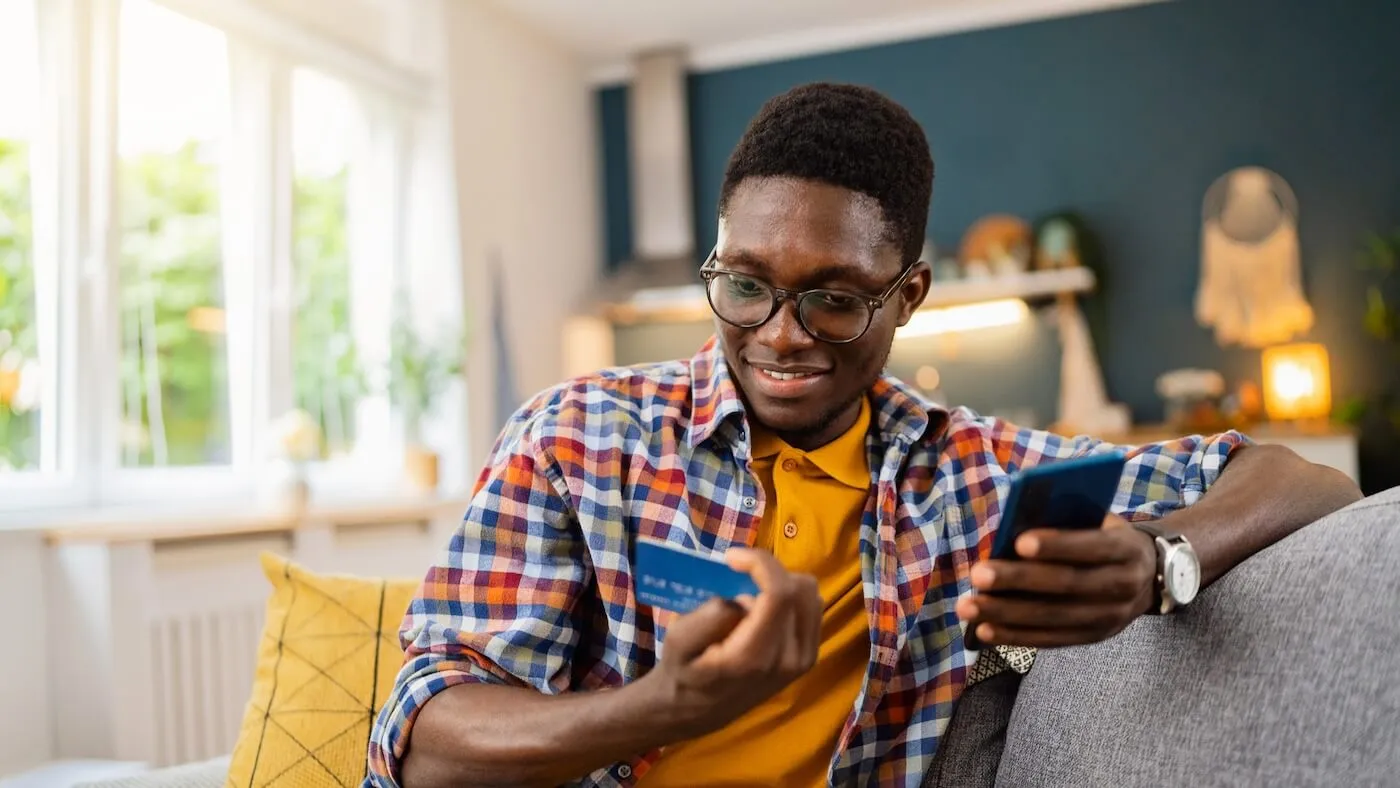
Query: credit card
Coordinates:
[677,579]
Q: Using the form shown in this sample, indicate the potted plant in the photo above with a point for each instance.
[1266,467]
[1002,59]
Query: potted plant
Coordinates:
[419,373]
[1378,417]
[296,440]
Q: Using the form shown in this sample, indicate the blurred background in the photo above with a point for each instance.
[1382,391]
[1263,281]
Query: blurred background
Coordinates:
[274,272]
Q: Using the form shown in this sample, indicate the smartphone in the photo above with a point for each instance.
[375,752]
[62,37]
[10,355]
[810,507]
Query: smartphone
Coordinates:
[1073,493]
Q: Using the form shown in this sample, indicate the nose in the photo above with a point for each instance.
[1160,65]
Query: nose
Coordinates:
[783,333]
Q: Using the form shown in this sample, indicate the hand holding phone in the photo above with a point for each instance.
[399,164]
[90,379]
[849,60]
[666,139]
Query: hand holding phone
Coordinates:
[1083,582]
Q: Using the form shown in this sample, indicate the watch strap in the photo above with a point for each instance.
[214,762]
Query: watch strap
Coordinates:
[1160,538]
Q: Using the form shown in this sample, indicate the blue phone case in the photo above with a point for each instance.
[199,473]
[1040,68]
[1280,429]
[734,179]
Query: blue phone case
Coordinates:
[1073,493]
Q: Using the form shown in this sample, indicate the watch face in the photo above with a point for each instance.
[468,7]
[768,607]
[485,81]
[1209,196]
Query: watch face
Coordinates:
[1183,575]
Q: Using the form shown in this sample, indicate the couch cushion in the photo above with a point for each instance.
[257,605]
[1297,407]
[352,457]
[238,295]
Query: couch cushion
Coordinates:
[204,774]
[328,658]
[1285,672]
[970,748]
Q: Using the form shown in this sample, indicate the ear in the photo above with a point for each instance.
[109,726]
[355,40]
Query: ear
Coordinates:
[914,291]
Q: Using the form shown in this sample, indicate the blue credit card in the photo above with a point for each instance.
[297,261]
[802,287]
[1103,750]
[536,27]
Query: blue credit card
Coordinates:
[678,579]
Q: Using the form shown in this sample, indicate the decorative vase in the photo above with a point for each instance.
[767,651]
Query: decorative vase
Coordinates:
[293,490]
[421,468]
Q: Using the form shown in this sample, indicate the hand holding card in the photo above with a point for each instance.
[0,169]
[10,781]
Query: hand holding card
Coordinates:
[674,578]
[719,660]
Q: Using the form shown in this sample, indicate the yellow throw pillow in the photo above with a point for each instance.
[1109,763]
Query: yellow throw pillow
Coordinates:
[328,657]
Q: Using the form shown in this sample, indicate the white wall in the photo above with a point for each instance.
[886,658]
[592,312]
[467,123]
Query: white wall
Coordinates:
[523,138]
[25,737]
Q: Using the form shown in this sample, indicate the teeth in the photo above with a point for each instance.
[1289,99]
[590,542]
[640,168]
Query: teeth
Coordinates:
[785,375]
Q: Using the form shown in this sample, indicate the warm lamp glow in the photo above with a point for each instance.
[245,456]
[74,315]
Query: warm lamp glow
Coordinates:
[1297,382]
[928,322]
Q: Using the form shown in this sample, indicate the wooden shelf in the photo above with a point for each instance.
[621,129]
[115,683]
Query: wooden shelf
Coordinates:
[1263,432]
[1031,284]
[687,303]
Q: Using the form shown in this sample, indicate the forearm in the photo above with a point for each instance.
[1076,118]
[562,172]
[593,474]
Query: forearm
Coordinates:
[1264,493]
[490,735]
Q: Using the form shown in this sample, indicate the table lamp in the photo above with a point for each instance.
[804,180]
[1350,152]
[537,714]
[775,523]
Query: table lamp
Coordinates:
[1297,382]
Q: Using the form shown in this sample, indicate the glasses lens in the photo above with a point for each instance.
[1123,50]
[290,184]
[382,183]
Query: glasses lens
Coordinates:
[740,300]
[835,317]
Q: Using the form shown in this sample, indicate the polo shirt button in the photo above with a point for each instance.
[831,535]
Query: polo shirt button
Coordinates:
[790,530]
[624,771]
[789,465]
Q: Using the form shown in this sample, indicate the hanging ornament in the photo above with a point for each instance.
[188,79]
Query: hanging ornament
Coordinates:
[1251,289]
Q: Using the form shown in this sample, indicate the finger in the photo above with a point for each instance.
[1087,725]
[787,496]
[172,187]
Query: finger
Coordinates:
[1086,548]
[761,565]
[759,640]
[689,635]
[807,617]
[993,635]
[1108,582]
[1046,614]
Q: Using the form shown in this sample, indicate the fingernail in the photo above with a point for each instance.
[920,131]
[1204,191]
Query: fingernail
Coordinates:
[983,576]
[985,632]
[968,609]
[1028,546]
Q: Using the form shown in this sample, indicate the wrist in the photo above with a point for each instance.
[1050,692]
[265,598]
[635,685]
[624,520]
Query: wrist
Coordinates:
[655,706]
[1176,568]
[1149,598]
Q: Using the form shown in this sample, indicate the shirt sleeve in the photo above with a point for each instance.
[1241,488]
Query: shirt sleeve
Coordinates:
[1166,476]
[1158,478]
[497,606]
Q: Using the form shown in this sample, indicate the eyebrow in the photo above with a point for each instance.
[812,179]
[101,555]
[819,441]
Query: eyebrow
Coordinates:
[821,277]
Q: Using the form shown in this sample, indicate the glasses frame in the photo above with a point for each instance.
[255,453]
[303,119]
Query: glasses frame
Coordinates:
[708,272]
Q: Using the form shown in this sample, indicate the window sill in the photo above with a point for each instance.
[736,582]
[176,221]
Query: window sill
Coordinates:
[227,518]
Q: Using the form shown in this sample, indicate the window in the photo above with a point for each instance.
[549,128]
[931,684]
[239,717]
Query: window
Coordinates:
[329,379]
[21,384]
[173,109]
[202,214]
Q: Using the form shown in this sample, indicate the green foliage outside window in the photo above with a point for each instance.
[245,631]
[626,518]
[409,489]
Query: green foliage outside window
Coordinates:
[174,369]
[19,423]
[327,374]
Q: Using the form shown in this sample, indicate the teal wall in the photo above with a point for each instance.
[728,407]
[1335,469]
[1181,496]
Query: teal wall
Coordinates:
[1125,117]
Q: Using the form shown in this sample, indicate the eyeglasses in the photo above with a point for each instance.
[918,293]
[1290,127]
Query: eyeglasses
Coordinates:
[834,316]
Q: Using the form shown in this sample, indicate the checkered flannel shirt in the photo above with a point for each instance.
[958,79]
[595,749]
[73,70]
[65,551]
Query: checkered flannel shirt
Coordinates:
[535,588]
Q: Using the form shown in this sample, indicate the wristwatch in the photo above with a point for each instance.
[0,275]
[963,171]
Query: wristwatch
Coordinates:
[1178,569]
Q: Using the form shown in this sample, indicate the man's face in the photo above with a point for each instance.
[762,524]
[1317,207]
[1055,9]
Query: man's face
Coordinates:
[799,235]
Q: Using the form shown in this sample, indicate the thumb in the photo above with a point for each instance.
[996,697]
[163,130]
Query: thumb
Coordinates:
[692,633]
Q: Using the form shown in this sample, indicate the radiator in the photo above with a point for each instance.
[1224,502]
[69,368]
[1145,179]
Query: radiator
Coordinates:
[156,654]
[202,668]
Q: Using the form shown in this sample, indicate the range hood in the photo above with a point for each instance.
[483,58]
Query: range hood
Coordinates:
[659,280]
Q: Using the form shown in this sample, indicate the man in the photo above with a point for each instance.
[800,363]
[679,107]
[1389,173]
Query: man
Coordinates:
[864,513]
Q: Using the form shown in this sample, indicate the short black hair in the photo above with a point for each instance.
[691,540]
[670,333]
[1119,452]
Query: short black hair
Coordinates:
[848,136]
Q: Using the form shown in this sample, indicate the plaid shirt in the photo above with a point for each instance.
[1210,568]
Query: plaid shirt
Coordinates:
[535,589]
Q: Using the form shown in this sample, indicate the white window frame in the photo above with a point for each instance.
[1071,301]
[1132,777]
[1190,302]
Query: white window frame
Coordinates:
[77,255]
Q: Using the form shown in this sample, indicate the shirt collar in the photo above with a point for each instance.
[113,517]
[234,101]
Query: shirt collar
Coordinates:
[899,412]
[713,397]
[844,459]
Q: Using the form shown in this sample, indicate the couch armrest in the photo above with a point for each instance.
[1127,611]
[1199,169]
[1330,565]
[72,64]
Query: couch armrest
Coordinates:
[204,774]
[1282,673]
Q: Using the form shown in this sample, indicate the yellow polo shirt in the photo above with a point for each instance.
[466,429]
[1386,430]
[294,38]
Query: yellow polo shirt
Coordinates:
[811,522]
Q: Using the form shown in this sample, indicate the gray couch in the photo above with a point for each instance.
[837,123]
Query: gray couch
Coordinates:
[1285,672]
